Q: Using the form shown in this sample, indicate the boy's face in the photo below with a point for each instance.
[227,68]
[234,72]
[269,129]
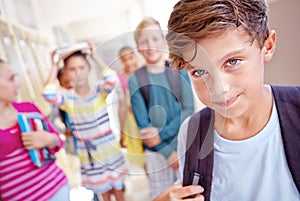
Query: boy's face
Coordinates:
[151,44]
[227,71]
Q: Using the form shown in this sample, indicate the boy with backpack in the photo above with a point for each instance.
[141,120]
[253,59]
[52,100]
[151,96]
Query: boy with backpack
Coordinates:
[160,102]
[245,144]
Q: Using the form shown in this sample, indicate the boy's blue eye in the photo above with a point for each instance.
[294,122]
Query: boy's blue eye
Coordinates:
[198,73]
[232,62]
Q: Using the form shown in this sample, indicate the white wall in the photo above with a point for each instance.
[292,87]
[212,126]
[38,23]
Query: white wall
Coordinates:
[284,68]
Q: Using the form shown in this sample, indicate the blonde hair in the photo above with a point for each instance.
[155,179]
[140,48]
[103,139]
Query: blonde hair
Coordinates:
[146,22]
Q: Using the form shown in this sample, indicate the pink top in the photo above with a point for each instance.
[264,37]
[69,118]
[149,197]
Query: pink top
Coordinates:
[19,178]
[124,82]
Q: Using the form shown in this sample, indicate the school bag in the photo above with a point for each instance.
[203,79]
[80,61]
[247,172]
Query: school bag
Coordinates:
[144,83]
[198,169]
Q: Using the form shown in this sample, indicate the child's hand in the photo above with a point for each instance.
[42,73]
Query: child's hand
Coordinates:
[173,160]
[38,139]
[177,192]
[54,58]
[122,140]
[68,133]
[91,46]
[150,136]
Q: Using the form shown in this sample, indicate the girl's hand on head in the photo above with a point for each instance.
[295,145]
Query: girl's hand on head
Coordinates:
[54,58]
[91,46]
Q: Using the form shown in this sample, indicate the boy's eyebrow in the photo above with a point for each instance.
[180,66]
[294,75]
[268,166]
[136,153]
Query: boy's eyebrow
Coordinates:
[231,54]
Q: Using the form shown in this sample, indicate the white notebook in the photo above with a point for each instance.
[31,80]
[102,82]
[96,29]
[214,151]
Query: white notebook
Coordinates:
[67,50]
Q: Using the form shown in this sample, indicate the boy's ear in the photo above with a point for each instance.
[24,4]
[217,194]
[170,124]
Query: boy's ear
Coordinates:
[269,46]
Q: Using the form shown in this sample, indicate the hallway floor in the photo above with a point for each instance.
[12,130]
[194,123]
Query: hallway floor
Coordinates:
[136,184]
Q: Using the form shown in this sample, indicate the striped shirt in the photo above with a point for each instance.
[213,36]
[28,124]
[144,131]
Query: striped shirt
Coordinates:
[19,178]
[102,162]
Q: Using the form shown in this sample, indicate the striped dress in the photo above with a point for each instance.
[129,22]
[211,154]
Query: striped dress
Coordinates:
[19,179]
[102,163]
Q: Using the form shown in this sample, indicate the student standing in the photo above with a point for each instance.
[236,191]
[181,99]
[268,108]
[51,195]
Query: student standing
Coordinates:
[20,179]
[130,133]
[251,150]
[103,167]
[160,117]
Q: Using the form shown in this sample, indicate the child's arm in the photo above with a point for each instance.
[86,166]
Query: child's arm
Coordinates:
[101,65]
[52,77]
[122,113]
[50,91]
[39,139]
[187,108]
[42,137]
[141,114]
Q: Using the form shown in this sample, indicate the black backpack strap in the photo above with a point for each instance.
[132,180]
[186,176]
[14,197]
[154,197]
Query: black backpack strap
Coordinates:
[287,101]
[173,77]
[199,157]
[174,81]
[144,83]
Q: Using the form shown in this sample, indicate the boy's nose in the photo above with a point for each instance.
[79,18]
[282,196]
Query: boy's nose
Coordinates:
[220,83]
[150,44]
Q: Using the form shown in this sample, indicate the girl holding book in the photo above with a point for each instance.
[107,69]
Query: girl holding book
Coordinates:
[20,178]
[103,167]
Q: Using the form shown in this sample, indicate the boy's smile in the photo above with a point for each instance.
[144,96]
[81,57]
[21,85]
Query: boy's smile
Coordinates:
[227,73]
[227,103]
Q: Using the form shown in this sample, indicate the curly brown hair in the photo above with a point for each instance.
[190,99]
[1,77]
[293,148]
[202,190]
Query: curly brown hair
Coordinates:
[194,20]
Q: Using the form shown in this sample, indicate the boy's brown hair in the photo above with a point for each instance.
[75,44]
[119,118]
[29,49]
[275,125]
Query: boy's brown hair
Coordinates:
[194,20]
[146,22]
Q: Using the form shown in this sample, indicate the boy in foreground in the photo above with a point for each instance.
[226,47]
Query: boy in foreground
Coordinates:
[254,134]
